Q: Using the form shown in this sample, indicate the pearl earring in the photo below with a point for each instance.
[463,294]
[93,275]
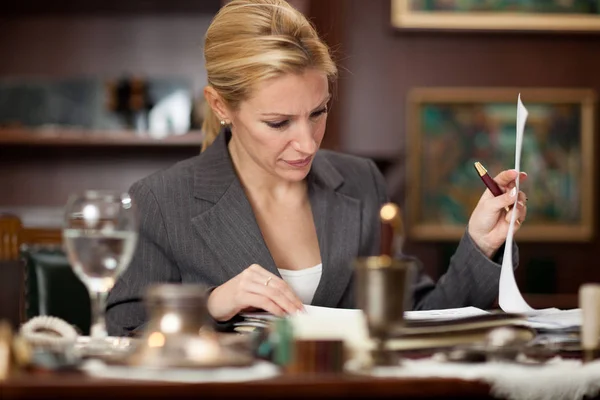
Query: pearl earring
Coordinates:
[223,122]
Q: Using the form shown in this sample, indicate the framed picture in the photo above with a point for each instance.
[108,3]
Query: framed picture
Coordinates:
[497,15]
[450,129]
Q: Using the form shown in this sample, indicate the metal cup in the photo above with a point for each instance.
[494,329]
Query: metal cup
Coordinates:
[383,289]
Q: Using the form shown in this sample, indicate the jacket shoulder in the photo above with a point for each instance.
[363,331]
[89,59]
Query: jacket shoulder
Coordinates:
[360,174]
[350,166]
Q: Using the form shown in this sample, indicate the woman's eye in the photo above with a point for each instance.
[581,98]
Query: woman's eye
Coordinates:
[284,123]
[319,112]
[277,125]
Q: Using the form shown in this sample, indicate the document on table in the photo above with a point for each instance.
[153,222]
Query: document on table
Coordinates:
[449,314]
[555,319]
[350,325]
[548,319]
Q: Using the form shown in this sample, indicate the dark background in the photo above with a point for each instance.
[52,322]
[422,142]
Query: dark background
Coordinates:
[378,64]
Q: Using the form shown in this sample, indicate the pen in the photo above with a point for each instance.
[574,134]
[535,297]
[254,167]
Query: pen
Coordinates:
[489,182]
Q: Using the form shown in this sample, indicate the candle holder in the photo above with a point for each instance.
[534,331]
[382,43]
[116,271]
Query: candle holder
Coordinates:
[383,288]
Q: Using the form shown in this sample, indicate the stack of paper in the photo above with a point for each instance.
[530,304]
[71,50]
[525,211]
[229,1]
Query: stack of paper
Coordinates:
[263,318]
[421,330]
[254,320]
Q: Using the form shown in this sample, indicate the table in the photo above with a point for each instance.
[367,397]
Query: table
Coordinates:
[77,386]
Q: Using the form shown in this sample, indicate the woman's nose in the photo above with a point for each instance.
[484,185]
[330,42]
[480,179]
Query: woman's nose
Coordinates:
[305,140]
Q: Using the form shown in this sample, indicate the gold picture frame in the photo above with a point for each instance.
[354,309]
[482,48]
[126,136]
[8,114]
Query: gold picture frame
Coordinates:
[427,15]
[451,128]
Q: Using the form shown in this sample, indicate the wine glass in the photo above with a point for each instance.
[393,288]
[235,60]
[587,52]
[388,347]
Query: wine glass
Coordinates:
[100,235]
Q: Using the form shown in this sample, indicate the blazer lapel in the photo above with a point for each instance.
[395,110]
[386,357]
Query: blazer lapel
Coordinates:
[229,228]
[337,220]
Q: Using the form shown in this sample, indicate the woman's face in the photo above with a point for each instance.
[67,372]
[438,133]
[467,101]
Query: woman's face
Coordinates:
[280,128]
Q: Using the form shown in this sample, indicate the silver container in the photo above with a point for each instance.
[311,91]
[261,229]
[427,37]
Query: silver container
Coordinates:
[179,333]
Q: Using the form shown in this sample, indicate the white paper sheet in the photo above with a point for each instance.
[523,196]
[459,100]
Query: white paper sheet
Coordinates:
[555,319]
[448,314]
[451,313]
[510,298]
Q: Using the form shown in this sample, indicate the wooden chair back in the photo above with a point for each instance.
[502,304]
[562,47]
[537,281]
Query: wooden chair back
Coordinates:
[14,237]
[10,230]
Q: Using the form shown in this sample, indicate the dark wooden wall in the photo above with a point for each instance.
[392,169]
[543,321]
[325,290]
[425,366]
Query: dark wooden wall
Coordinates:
[378,66]
[45,176]
[97,39]
[381,65]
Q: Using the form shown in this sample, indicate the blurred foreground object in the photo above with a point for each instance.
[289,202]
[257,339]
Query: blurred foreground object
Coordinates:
[383,294]
[383,285]
[589,302]
[179,332]
[15,352]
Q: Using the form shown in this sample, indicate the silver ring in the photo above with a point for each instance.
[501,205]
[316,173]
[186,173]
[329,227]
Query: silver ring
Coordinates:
[268,280]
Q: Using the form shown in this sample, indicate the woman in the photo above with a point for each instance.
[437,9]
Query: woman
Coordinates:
[263,217]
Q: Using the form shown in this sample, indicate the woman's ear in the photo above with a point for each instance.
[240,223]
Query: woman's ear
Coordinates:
[215,101]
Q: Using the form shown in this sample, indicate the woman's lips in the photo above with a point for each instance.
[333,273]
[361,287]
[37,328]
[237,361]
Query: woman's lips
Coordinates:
[299,163]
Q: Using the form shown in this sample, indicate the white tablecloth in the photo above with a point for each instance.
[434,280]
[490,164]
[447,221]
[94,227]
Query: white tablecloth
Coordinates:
[259,370]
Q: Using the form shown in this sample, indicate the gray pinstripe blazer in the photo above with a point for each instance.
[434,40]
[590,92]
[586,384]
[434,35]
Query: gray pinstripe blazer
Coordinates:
[198,226]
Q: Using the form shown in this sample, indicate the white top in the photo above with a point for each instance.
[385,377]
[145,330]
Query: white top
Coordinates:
[303,282]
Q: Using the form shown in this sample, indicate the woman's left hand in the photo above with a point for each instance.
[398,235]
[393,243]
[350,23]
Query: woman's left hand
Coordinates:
[489,221]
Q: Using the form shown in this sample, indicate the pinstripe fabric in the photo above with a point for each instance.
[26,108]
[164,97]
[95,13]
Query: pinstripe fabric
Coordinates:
[197,226]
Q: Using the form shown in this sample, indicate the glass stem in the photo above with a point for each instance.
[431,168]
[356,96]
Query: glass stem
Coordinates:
[98,328]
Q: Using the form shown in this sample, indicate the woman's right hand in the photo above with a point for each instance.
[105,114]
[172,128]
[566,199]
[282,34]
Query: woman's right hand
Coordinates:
[253,288]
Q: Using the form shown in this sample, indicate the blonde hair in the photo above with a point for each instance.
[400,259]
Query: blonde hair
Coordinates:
[250,41]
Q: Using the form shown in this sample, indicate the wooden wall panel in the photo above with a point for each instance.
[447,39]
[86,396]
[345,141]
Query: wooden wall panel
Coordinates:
[97,39]
[384,64]
[97,45]
[38,176]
